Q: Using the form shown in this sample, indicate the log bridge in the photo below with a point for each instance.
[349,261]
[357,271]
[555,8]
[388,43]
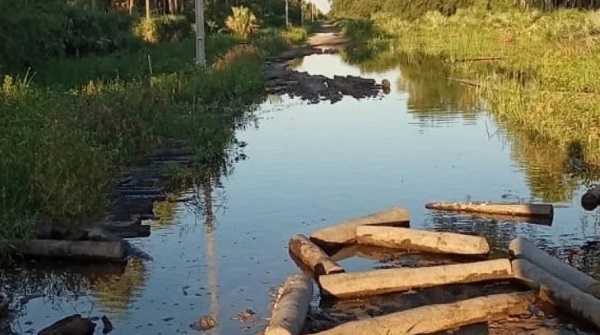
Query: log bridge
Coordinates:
[546,278]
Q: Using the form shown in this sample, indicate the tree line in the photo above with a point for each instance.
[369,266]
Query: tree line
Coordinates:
[35,30]
[413,9]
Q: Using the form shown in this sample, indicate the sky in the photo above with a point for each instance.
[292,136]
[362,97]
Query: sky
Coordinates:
[323,5]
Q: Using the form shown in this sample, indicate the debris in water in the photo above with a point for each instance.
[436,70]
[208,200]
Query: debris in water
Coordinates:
[206,322]
[246,317]
[108,327]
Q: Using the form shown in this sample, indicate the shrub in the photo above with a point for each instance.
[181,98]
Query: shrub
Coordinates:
[242,22]
[168,28]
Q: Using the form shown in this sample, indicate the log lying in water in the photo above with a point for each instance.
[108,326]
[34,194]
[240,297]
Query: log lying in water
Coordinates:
[313,257]
[530,210]
[345,232]
[71,325]
[420,240]
[291,306]
[521,248]
[439,317]
[92,250]
[559,292]
[591,199]
[545,221]
[366,283]
[132,230]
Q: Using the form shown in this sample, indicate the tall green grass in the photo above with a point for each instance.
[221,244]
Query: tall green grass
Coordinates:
[63,144]
[547,82]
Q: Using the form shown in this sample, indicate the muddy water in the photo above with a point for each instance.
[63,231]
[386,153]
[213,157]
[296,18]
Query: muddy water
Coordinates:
[310,166]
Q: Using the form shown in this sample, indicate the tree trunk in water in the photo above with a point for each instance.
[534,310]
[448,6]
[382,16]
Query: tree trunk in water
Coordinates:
[558,292]
[310,255]
[420,240]
[345,232]
[529,210]
[375,282]
[436,318]
[291,306]
[521,248]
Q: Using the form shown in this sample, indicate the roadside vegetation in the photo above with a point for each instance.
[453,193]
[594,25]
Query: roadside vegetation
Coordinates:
[87,88]
[536,64]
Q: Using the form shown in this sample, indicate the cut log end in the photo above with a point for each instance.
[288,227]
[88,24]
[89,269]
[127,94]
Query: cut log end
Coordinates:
[311,256]
[589,201]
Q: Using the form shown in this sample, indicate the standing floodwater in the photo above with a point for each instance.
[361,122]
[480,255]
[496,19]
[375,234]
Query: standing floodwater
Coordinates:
[308,166]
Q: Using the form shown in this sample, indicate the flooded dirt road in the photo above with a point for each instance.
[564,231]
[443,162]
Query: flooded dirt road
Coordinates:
[309,166]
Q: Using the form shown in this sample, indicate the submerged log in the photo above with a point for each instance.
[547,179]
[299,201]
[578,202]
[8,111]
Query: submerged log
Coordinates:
[591,199]
[558,292]
[439,317]
[132,230]
[310,255]
[375,282]
[71,325]
[521,248]
[345,232]
[532,210]
[94,250]
[420,240]
[291,306]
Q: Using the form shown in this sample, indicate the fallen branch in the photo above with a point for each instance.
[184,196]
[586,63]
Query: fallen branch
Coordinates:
[291,306]
[530,210]
[420,240]
[558,292]
[521,248]
[345,232]
[310,255]
[366,283]
[439,317]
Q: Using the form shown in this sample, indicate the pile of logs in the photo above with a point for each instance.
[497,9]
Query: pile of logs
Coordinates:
[545,278]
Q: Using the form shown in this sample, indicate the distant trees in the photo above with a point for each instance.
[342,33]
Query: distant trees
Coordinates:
[412,9]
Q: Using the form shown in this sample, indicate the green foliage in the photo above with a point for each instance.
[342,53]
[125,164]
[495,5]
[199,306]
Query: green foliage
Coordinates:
[62,149]
[546,82]
[295,35]
[403,9]
[241,22]
[166,28]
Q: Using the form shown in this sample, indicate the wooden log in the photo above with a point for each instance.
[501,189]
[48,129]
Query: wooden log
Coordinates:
[591,199]
[436,318]
[420,240]
[544,221]
[531,210]
[374,282]
[521,248]
[309,254]
[93,250]
[291,306]
[558,292]
[71,325]
[345,232]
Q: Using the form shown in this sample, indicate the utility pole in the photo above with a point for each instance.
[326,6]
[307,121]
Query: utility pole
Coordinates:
[287,19]
[200,51]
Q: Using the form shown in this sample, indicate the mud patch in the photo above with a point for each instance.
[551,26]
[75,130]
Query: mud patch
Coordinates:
[282,79]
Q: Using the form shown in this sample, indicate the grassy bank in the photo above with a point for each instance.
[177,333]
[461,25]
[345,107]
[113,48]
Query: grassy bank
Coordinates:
[543,80]
[72,127]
